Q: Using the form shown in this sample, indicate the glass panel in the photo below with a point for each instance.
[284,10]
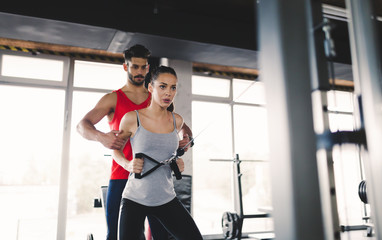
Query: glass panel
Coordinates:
[89,170]
[251,225]
[347,177]
[30,144]
[346,158]
[251,132]
[251,143]
[341,122]
[99,75]
[32,67]
[248,91]
[211,180]
[340,100]
[208,86]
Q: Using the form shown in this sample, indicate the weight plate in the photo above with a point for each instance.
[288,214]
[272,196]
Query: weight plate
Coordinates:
[230,225]
[362,191]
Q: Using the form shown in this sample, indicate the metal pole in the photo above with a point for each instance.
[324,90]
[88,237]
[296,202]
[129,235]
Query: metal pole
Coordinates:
[285,68]
[367,80]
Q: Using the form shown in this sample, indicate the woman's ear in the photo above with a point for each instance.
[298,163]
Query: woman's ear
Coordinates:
[150,87]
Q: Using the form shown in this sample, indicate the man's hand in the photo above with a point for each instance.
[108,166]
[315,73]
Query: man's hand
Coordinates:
[135,165]
[180,164]
[111,140]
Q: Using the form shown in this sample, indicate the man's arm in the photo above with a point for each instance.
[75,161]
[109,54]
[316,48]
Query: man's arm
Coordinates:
[86,127]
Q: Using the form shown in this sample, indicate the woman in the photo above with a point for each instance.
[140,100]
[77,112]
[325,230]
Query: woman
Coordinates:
[154,132]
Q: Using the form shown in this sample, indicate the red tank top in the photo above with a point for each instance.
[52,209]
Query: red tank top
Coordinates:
[124,105]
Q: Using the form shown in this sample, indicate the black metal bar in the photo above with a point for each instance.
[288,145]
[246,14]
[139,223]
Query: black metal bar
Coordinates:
[328,139]
[259,215]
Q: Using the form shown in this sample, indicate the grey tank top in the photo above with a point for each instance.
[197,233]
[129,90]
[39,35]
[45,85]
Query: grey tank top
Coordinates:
[157,188]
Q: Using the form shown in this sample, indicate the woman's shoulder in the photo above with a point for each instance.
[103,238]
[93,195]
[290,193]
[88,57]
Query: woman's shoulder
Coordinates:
[128,124]
[131,113]
[130,116]
[179,120]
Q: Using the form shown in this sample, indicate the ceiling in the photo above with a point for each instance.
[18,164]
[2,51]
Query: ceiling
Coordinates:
[219,32]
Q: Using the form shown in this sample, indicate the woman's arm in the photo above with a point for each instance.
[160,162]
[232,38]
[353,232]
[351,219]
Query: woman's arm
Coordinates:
[179,122]
[128,125]
[187,137]
[179,127]
[185,132]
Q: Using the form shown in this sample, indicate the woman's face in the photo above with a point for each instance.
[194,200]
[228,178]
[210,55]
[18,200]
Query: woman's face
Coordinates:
[163,89]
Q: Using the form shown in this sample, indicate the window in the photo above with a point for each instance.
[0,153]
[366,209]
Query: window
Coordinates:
[230,116]
[90,167]
[348,169]
[207,86]
[99,75]
[34,69]
[90,161]
[211,185]
[245,91]
[30,143]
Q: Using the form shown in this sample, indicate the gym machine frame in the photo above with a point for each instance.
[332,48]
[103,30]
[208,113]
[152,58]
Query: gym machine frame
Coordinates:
[326,139]
[365,53]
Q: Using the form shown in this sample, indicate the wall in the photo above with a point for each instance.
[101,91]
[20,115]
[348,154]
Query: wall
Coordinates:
[183,99]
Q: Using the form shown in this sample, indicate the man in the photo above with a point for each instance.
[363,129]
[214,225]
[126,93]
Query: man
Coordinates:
[132,96]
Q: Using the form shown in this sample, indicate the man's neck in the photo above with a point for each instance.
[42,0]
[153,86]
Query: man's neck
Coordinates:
[129,87]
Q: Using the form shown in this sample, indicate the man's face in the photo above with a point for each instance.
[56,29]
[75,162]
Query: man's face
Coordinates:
[137,70]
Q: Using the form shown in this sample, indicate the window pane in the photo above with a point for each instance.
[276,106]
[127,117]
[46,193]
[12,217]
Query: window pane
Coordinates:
[347,163]
[248,91]
[341,122]
[211,180]
[348,176]
[209,86]
[256,195]
[30,145]
[251,132]
[251,143]
[340,100]
[32,67]
[89,170]
[99,75]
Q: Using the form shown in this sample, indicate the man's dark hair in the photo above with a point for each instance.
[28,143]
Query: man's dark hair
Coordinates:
[138,51]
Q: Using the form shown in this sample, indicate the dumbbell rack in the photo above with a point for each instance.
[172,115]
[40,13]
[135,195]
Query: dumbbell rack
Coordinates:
[232,222]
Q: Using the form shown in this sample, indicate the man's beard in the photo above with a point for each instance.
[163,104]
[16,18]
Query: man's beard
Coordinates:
[131,79]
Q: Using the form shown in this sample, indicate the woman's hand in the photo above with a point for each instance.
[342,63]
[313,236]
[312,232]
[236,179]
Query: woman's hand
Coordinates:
[186,140]
[180,164]
[135,165]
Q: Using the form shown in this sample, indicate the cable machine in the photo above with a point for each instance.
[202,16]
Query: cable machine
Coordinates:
[314,45]
[366,60]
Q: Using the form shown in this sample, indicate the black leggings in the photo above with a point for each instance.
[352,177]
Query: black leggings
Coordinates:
[113,202]
[172,215]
